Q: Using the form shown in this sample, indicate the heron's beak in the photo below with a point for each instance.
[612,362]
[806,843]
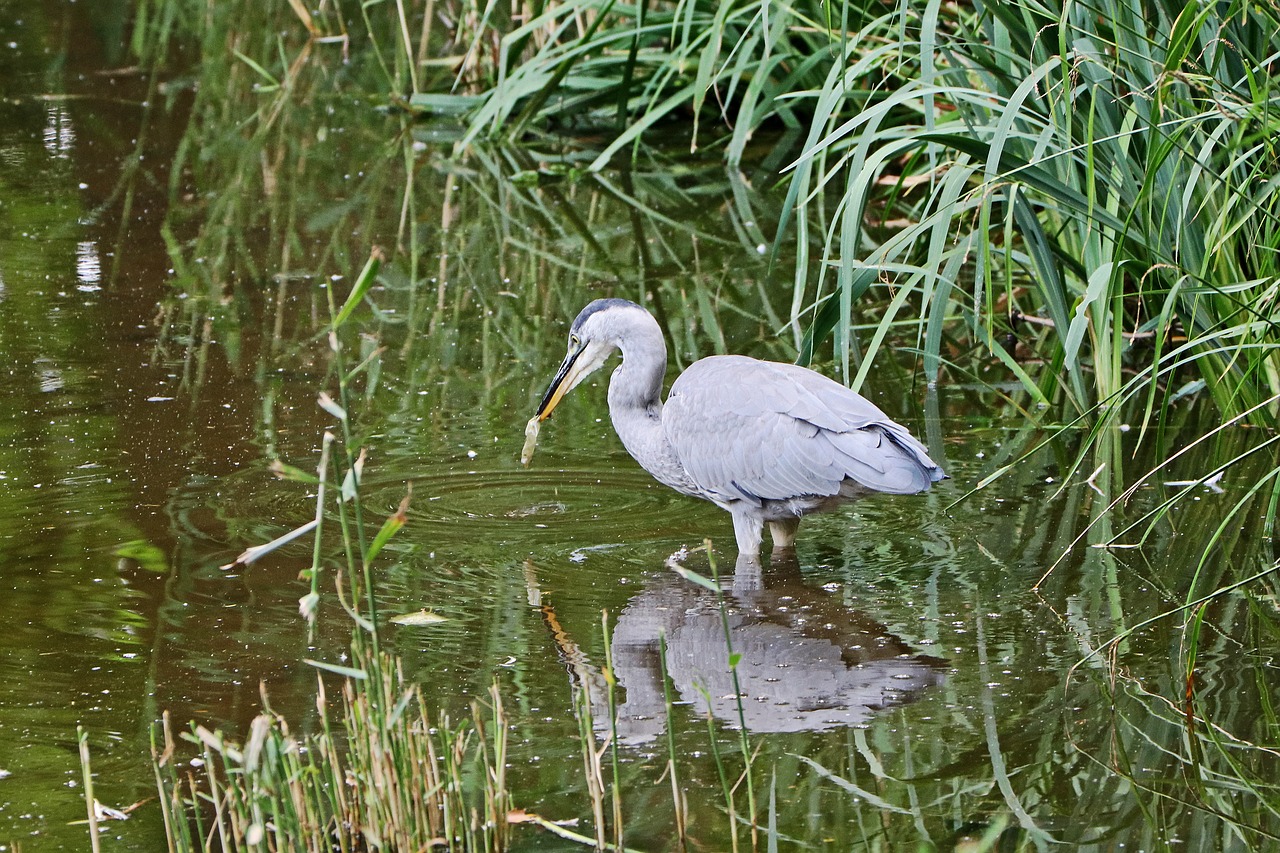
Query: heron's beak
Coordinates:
[577,366]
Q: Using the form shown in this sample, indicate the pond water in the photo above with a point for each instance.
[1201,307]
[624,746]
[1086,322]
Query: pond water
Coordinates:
[926,670]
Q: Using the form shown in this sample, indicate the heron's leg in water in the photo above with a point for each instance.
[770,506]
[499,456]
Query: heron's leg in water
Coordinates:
[748,574]
[784,533]
[748,530]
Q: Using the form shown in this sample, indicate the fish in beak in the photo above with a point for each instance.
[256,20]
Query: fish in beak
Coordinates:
[583,360]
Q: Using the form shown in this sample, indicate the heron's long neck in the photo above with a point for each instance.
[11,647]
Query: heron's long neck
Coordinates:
[636,384]
[635,401]
[635,407]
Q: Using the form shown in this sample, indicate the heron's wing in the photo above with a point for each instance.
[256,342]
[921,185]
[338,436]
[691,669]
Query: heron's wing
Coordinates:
[856,412]
[753,430]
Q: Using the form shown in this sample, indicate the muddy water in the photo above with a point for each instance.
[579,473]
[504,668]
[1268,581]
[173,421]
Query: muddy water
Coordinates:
[906,680]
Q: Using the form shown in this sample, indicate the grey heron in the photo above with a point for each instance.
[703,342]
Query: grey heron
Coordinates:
[766,441]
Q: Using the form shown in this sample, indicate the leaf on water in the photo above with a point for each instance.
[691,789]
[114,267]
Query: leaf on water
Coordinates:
[561,828]
[700,580]
[349,672]
[102,812]
[530,440]
[329,405]
[145,555]
[419,617]
[258,551]
[1211,483]
[522,816]
[307,606]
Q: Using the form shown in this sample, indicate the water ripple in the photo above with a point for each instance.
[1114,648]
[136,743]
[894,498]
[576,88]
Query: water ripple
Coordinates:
[569,502]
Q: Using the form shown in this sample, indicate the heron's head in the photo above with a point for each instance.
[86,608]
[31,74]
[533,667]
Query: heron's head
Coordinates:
[598,330]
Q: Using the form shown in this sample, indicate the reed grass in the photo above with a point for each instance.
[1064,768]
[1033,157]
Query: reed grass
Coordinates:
[1077,199]
[636,67]
[679,805]
[381,774]
[1084,178]
[1080,193]
[86,777]
[728,784]
[1218,758]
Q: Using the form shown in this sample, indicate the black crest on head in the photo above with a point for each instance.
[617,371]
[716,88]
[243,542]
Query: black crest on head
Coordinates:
[596,307]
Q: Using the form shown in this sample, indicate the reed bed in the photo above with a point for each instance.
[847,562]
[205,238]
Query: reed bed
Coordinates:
[1080,196]
[378,775]
[1084,193]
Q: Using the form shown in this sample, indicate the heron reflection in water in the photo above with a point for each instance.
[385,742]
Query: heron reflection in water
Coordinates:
[806,661]
[766,441]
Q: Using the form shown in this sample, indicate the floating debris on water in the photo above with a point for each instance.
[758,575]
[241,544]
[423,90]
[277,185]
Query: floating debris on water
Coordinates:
[419,617]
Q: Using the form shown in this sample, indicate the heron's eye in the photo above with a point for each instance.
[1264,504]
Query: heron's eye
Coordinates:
[574,342]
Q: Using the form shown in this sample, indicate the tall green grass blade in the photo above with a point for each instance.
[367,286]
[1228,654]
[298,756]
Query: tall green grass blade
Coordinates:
[337,669]
[364,281]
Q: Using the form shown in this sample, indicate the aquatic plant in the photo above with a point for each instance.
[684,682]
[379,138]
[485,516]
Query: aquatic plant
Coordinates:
[380,774]
[1079,199]
[1081,192]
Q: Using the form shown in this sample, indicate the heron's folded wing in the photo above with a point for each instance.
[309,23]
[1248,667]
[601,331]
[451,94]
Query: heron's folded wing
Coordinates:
[752,430]
[863,428]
